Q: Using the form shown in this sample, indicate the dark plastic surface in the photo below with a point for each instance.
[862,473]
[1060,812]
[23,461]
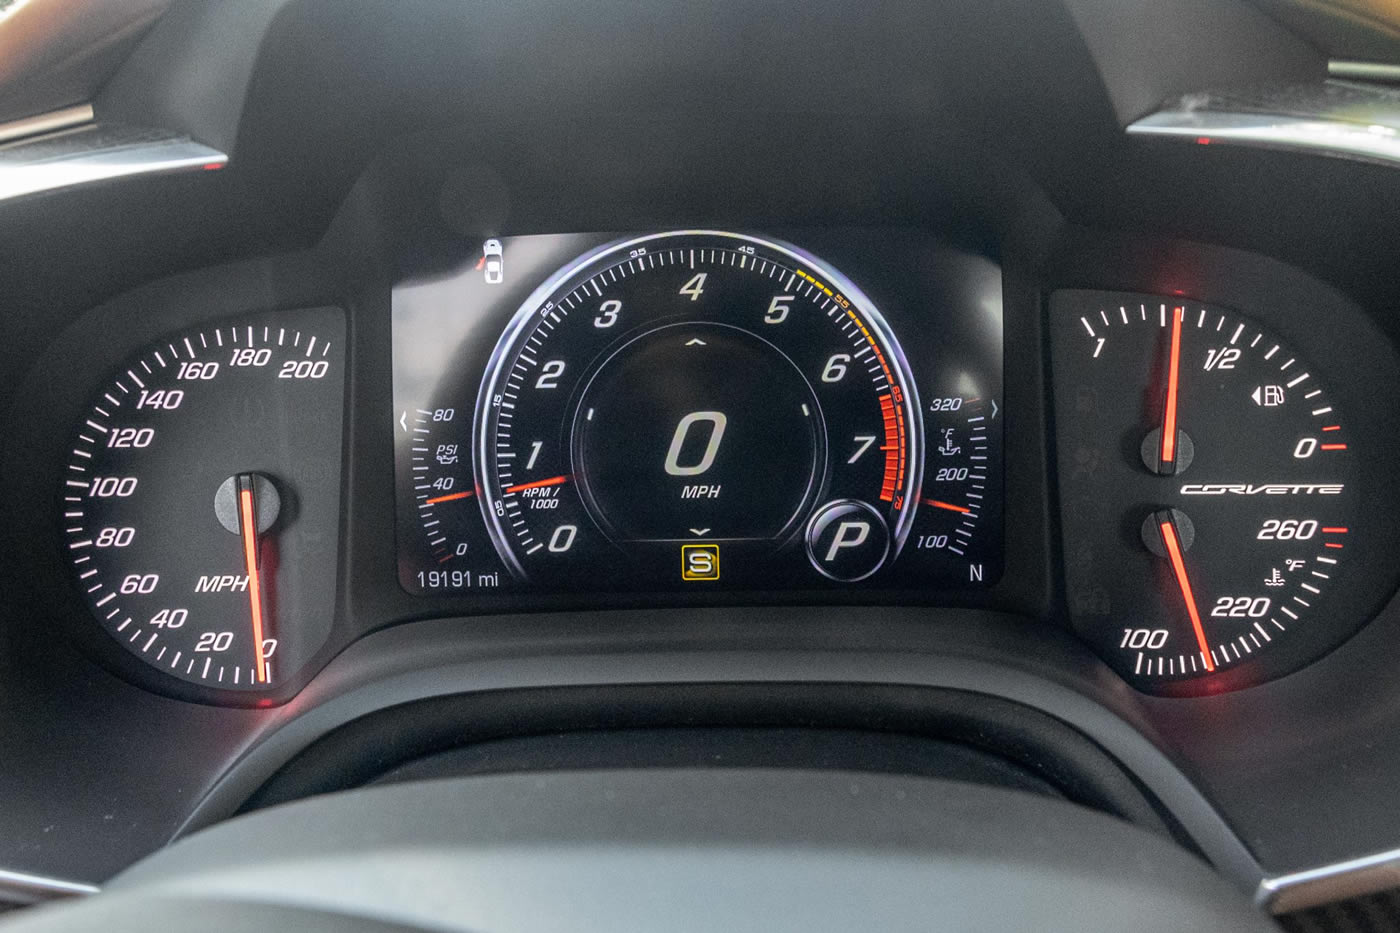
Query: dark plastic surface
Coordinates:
[746,747]
[1150,52]
[938,733]
[681,850]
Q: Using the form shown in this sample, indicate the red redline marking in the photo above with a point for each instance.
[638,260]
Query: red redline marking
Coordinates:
[947,505]
[1334,531]
[213,166]
[250,560]
[449,498]
[1331,545]
[1333,427]
[1179,568]
[540,484]
[892,412]
[888,414]
[1168,453]
[1334,446]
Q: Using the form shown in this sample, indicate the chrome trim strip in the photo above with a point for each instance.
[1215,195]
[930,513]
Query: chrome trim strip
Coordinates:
[1336,882]
[1364,71]
[51,122]
[97,153]
[1372,142]
[23,889]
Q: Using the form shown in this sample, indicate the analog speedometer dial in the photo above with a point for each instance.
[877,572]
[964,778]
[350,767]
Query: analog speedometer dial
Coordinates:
[693,408]
[200,502]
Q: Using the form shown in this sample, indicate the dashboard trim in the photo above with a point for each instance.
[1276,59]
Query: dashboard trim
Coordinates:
[1322,134]
[50,122]
[95,153]
[23,889]
[1353,115]
[1363,70]
[1327,884]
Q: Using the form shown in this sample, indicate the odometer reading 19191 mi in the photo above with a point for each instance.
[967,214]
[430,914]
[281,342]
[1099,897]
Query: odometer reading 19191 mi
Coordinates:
[1209,490]
[697,406]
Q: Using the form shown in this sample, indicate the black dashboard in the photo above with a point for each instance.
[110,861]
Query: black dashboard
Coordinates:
[875,379]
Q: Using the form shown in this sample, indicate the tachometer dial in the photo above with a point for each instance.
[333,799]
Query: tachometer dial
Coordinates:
[201,500]
[695,407]
[1209,491]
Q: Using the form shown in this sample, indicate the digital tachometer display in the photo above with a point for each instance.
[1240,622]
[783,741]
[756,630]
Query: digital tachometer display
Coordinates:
[694,410]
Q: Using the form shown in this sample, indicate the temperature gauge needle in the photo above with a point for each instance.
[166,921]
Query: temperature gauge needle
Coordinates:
[248,523]
[1168,446]
[1173,544]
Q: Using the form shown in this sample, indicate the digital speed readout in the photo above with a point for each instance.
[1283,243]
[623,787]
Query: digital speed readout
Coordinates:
[692,410]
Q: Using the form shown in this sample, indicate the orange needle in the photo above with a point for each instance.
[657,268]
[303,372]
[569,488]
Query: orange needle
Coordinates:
[449,498]
[248,522]
[1179,566]
[540,484]
[1173,378]
[947,505]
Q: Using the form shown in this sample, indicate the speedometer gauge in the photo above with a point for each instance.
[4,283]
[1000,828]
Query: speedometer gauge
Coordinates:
[1210,490]
[697,407]
[200,502]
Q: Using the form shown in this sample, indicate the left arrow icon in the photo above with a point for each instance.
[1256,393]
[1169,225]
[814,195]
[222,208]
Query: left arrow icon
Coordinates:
[403,420]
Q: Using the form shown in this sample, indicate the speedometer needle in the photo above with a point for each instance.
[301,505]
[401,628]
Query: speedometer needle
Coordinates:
[1168,446]
[248,523]
[1169,537]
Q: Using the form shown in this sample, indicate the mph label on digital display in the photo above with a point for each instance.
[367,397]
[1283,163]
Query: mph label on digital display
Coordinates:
[695,411]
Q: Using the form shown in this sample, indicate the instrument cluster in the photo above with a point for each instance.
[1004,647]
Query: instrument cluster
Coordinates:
[695,410]
[707,417]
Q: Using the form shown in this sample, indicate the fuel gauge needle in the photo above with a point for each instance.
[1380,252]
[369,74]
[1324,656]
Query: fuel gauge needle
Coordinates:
[1173,544]
[1167,457]
[248,522]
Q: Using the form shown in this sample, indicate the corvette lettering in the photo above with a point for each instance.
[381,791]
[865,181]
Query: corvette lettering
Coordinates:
[1262,489]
